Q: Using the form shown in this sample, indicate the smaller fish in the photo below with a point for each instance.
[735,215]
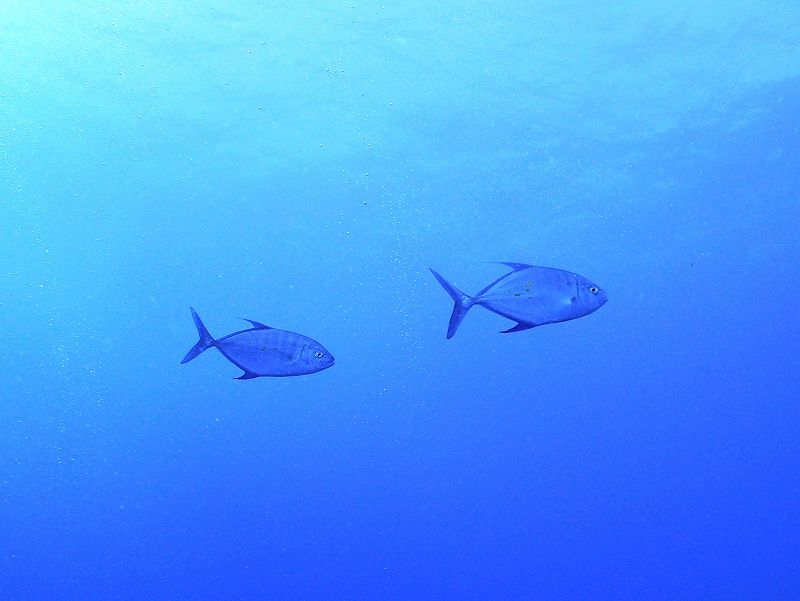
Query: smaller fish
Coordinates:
[531,296]
[264,351]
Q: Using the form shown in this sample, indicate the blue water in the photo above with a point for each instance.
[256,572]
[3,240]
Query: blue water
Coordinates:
[303,164]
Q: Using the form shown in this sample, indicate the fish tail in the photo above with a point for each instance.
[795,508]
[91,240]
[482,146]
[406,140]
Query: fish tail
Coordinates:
[462,301]
[206,340]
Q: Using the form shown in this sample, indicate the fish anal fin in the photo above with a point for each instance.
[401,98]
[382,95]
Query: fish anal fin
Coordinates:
[247,375]
[520,327]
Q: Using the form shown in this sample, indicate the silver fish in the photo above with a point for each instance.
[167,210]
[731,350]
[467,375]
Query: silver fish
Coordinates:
[531,296]
[264,351]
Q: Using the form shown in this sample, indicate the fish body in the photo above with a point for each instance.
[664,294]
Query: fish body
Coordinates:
[264,351]
[531,296]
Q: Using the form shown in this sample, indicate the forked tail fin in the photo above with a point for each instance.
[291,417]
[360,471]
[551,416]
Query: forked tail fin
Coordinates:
[462,303]
[206,340]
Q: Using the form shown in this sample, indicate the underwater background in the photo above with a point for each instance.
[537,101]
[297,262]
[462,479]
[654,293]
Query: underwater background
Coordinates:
[303,164]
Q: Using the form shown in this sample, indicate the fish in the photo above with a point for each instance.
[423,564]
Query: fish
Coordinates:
[263,351]
[531,296]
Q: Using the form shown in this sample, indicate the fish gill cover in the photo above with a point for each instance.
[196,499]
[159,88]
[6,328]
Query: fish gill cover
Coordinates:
[303,164]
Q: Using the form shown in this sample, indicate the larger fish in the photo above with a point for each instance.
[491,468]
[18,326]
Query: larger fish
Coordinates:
[264,351]
[531,296]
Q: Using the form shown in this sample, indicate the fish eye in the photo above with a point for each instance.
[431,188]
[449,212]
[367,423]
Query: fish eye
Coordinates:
[318,354]
[594,289]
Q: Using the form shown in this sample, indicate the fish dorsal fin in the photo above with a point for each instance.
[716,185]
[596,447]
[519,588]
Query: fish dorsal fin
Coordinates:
[256,324]
[515,266]
[520,327]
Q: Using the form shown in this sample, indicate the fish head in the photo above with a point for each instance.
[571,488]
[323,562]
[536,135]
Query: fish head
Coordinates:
[590,296]
[316,357]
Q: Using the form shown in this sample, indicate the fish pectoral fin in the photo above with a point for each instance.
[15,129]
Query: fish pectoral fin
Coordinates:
[247,375]
[520,327]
